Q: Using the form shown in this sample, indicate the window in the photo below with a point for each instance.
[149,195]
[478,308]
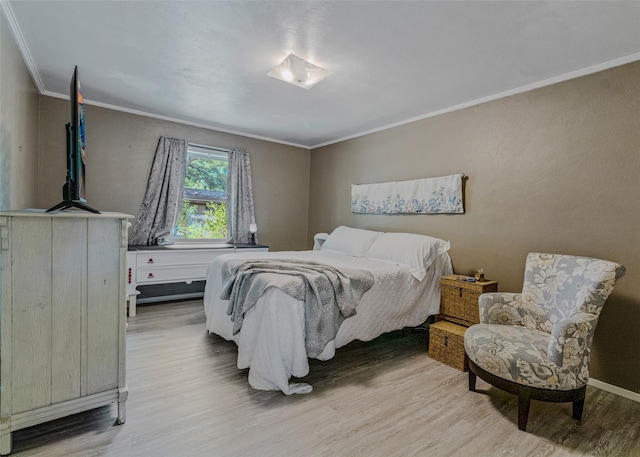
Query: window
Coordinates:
[203,215]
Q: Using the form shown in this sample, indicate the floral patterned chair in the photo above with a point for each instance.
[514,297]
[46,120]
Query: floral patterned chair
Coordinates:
[537,344]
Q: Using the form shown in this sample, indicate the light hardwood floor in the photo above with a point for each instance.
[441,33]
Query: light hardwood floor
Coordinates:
[381,398]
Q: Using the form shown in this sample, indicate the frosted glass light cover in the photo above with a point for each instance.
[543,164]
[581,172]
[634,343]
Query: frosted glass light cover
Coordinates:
[299,72]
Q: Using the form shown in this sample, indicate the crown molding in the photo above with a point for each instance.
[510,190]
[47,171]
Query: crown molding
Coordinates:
[546,82]
[22,45]
[177,121]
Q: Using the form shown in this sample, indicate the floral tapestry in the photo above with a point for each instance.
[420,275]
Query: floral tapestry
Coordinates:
[442,195]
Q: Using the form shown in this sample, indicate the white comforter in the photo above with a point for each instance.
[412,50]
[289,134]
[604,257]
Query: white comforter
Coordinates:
[272,341]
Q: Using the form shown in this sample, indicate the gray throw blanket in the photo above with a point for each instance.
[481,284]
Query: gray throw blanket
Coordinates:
[330,295]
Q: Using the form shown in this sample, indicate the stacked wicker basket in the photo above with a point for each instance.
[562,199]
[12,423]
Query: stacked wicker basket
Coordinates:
[458,310]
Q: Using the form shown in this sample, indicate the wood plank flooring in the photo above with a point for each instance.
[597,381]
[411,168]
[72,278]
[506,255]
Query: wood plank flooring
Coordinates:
[381,398]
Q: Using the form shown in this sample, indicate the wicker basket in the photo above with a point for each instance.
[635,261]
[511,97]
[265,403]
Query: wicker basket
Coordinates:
[459,299]
[446,344]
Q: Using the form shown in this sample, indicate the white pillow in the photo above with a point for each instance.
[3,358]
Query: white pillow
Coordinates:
[416,252]
[350,241]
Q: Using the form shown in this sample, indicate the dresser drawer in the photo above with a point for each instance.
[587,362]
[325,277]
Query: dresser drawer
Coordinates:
[186,273]
[179,257]
[148,266]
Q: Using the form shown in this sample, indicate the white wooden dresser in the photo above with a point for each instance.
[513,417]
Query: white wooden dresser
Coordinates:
[149,265]
[62,316]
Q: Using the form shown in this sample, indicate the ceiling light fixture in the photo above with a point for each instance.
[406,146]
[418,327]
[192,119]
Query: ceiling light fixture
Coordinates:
[298,72]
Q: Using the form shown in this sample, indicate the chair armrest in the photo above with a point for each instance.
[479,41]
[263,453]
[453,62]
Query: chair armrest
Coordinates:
[570,345]
[500,308]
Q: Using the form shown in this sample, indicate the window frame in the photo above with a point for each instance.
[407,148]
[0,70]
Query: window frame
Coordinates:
[200,150]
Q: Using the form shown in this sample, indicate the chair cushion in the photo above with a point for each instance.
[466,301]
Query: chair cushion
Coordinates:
[518,354]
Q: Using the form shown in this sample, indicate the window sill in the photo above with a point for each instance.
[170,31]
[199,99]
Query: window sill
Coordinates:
[196,245]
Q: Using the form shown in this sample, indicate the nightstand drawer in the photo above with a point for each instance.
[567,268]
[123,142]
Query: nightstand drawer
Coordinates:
[459,298]
[459,304]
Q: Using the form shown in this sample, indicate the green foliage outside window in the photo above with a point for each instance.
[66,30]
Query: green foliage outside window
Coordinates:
[206,173]
[198,220]
[212,224]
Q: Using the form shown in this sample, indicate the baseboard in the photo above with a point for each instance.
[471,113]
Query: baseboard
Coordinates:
[615,390]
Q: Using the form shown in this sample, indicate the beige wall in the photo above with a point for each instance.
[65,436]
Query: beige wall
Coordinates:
[18,127]
[120,150]
[553,170]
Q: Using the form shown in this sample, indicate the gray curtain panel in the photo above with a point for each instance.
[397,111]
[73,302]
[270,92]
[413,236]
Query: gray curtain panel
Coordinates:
[240,213]
[165,189]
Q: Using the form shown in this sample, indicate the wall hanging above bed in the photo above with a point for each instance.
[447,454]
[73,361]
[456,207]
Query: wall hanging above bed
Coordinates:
[441,195]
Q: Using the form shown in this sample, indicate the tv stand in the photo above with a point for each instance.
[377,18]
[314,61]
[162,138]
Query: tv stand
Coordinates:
[73,204]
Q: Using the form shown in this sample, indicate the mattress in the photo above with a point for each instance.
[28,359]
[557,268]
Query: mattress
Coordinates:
[271,342]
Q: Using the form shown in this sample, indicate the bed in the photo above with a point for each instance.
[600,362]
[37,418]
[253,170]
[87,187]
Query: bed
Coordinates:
[405,291]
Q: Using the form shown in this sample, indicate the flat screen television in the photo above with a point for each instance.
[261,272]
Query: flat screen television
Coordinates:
[74,188]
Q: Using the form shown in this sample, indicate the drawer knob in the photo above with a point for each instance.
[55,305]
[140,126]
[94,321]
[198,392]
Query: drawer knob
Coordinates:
[460,290]
[150,260]
[150,276]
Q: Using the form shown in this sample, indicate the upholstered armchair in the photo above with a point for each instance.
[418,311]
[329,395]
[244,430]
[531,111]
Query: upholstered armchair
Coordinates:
[536,344]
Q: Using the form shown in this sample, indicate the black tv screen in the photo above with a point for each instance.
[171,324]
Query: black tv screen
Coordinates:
[77,114]
[74,192]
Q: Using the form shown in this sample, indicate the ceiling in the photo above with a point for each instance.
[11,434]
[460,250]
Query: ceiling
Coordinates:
[205,63]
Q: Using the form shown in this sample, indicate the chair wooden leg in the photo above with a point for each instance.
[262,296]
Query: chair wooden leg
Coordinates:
[527,393]
[524,401]
[578,405]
